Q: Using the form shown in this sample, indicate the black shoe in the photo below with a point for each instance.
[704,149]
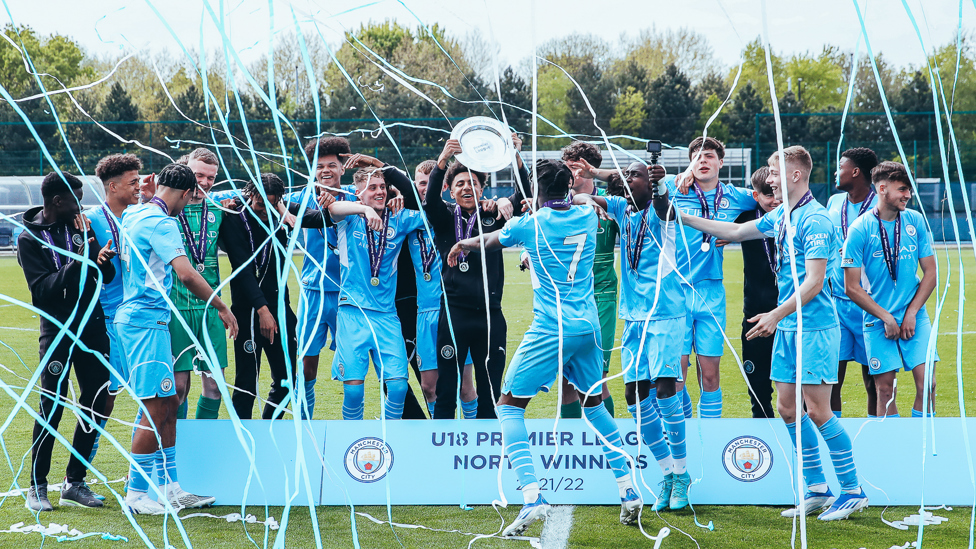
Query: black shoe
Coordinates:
[79,495]
[37,499]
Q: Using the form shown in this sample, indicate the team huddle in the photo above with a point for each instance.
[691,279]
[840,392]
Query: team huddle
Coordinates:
[129,292]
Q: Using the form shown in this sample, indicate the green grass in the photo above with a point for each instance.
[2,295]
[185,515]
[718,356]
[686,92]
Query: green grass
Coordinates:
[594,526]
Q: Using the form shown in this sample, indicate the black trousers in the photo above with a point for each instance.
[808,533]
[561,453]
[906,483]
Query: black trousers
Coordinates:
[470,334]
[248,347]
[757,356]
[92,378]
[407,312]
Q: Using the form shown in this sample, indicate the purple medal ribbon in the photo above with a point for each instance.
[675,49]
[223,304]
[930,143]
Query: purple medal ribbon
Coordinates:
[159,202]
[376,248]
[426,253]
[46,235]
[197,250]
[561,203]
[864,207]
[708,213]
[767,246]
[110,219]
[468,229]
[261,263]
[636,246]
[890,257]
[780,240]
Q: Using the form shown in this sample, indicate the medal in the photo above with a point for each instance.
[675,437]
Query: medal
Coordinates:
[781,246]
[636,245]
[706,212]
[261,264]
[198,249]
[376,248]
[463,266]
[427,277]
[465,232]
[427,254]
[200,267]
[890,257]
[864,207]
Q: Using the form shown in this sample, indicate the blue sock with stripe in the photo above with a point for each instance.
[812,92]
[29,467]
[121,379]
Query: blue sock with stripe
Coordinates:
[470,409]
[841,454]
[710,406]
[396,393]
[516,441]
[686,405]
[98,436]
[674,423]
[309,409]
[139,482]
[166,466]
[352,401]
[430,408]
[812,469]
[652,432]
[838,414]
[599,416]
[918,413]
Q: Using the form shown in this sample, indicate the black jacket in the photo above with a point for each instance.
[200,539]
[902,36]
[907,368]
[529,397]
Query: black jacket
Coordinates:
[251,288]
[60,291]
[759,290]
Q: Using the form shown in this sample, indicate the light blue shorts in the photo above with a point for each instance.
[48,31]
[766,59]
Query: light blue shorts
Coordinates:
[116,358]
[426,342]
[705,320]
[148,360]
[851,319]
[652,349]
[368,334]
[886,355]
[312,333]
[536,363]
[820,351]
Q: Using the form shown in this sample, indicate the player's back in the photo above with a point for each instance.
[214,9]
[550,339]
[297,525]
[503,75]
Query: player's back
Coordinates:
[147,276]
[561,245]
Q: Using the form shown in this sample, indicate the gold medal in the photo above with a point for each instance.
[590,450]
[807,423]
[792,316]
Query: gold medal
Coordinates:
[374,281]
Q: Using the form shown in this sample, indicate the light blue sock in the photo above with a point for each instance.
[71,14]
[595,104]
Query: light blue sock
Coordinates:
[470,409]
[876,417]
[430,408]
[812,468]
[166,466]
[98,436]
[841,453]
[918,413]
[686,405]
[309,409]
[352,401]
[674,423]
[396,393]
[139,482]
[604,424]
[711,404]
[838,414]
[516,440]
[651,428]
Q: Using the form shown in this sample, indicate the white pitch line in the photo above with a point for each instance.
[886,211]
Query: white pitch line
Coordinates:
[18,329]
[559,524]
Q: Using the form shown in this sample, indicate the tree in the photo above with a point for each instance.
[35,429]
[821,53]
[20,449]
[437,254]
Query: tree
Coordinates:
[741,120]
[717,129]
[688,50]
[673,108]
[628,113]
[117,107]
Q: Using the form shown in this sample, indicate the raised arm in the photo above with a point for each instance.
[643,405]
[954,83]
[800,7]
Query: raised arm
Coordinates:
[472,244]
[724,230]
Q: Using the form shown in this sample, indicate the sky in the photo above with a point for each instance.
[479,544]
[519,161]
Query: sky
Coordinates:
[122,26]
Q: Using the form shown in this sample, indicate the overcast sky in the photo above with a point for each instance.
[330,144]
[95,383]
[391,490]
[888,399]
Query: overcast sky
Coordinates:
[794,25]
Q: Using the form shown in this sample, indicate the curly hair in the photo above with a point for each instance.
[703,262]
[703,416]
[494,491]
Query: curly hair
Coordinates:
[176,176]
[864,158]
[456,167]
[554,177]
[327,146]
[115,165]
[581,149]
[615,185]
[271,183]
[708,144]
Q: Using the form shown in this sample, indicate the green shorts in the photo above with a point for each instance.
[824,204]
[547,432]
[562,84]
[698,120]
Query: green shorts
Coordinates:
[186,354]
[607,309]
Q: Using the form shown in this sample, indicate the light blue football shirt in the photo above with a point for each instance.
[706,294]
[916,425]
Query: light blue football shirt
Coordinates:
[111,294]
[561,245]
[835,205]
[320,245]
[813,238]
[693,263]
[428,291]
[355,288]
[863,249]
[151,239]
[652,291]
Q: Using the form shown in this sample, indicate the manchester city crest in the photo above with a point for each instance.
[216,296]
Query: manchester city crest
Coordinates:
[748,366]
[77,239]
[249,346]
[369,459]
[910,229]
[166,385]
[447,351]
[390,232]
[55,368]
[875,364]
[211,218]
[724,203]
[747,458]
[488,221]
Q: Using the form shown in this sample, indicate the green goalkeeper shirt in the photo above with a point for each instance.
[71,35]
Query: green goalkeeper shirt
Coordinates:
[604,273]
[181,296]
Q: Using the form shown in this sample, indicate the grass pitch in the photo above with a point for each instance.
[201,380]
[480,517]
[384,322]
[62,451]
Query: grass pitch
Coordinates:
[592,526]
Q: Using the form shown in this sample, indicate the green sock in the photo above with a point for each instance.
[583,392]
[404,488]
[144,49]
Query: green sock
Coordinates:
[572,410]
[609,403]
[181,411]
[208,408]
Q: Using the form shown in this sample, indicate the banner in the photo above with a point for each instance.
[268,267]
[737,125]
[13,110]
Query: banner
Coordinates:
[733,461]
